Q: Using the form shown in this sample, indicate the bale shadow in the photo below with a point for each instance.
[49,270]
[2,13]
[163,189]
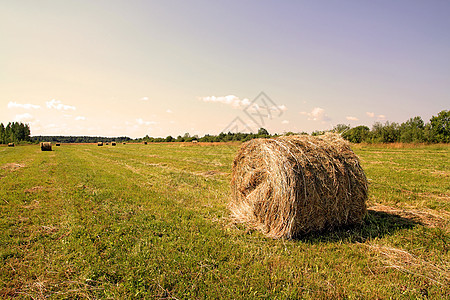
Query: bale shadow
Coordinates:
[376,224]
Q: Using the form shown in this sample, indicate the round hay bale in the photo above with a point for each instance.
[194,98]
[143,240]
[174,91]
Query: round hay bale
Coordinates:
[11,145]
[100,144]
[124,143]
[57,144]
[294,185]
[113,143]
[46,146]
[145,143]
[107,143]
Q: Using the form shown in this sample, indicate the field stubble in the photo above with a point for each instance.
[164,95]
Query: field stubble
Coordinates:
[151,221]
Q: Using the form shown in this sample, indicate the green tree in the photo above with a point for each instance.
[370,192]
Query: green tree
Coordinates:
[412,131]
[357,134]
[440,127]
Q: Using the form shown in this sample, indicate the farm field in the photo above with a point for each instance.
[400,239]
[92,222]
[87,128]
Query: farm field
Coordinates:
[151,221]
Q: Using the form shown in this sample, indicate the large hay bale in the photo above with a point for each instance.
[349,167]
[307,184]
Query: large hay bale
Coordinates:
[46,146]
[11,145]
[113,143]
[294,185]
[100,144]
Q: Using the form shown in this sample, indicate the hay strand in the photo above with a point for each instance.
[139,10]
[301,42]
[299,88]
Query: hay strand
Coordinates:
[46,146]
[294,185]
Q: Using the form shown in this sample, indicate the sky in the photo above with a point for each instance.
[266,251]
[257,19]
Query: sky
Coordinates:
[158,68]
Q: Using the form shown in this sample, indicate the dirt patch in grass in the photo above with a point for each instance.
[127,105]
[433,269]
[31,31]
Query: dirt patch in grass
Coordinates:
[212,173]
[34,189]
[12,166]
[430,218]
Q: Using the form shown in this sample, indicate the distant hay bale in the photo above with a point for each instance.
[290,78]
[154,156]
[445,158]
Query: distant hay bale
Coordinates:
[11,145]
[123,143]
[107,143]
[194,141]
[294,185]
[46,146]
[113,143]
[145,143]
[100,144]
[57,144]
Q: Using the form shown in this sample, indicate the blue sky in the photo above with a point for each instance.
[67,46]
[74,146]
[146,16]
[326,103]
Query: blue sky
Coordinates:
[169,67]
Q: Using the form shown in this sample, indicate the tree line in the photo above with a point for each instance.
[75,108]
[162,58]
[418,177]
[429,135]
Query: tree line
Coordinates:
[415,130]
[14,132]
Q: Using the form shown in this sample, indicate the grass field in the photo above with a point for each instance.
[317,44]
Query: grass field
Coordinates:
[151,221]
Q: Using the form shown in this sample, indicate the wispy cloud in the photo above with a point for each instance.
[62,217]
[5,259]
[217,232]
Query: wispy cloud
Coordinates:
[350,118]
[12,104]
[144,99]
[285,122]
[140,121]
[80,118]
[316,114]
[232,100]
[381,117]
[169,111]
[26,117]
[56,104]
[370,114]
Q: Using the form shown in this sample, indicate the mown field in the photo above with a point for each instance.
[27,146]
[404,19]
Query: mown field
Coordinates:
[151,221]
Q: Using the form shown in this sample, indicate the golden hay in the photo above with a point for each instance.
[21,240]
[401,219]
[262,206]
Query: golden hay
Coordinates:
[293,185]
[46,146]
[11,145]
[113,143]
[100,144]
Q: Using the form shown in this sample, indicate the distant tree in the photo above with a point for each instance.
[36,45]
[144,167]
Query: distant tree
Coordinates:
[357,134]
[412,131]
[440,127]
[262,132]
[340,128]
[169,139]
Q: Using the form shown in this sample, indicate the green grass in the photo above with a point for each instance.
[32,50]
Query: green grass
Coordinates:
[151,221]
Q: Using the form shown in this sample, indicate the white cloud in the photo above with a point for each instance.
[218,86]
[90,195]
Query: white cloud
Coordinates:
[285,122]
[80,118]
[56,104]
[282,107]
[317,114]
[232,100]
[26,117]
[169,111]
[144,99]
[25,106]
[381,117]
[352,118]
[370,114]
[140,121]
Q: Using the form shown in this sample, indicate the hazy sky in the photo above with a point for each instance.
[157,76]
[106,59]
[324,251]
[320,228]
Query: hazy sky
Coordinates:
[161,68]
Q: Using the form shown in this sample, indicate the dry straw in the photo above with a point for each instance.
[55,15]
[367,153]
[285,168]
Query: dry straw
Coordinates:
[46,146]
[293,185]
[100,144]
